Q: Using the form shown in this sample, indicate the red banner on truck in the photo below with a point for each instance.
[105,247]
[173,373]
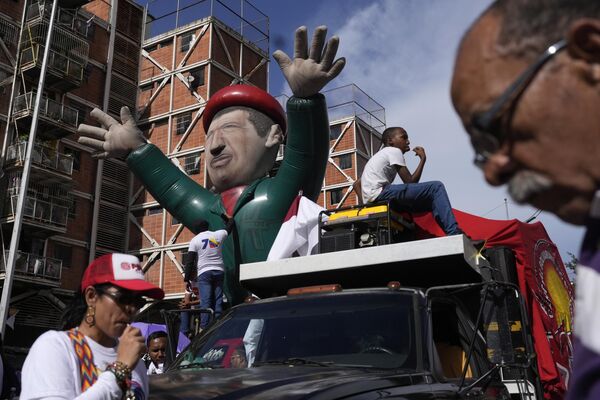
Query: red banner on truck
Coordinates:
[543,280]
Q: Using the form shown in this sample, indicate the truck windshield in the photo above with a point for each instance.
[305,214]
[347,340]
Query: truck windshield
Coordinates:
[359,329]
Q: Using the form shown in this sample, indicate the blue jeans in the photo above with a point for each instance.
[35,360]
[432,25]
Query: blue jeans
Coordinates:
[184,326]
[210,286]
[186,320]
[423,197]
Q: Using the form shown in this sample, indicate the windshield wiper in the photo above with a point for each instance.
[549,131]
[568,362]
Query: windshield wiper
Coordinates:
[294,361]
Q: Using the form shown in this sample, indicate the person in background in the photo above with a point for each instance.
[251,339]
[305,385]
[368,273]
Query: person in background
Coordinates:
[238,358]
[526,86]
[98,354]
[157,350]
[190,300]
[206,250]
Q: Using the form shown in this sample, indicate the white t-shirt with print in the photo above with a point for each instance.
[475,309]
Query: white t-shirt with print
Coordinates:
[209,246]
[51,371]
[380,171]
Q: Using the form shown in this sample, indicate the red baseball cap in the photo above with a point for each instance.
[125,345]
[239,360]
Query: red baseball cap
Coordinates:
[245,96]
[122,270]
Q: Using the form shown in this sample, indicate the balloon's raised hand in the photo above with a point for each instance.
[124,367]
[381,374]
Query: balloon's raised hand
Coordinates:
[310,71]
[112,139]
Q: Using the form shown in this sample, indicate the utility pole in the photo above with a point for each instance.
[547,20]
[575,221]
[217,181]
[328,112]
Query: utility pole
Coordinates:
[506,207]
[16,232]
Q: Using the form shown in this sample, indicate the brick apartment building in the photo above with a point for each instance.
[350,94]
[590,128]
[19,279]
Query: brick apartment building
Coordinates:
[68,214]
[164,63]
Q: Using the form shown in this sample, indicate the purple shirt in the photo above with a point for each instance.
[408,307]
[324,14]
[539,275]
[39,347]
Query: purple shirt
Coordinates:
[585,381]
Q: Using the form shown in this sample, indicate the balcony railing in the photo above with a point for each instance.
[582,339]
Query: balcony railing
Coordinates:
[350,101]
[27,264]
[8,33]
[166,16]
[52,109]
[43,156]
[58,64]
[45,212]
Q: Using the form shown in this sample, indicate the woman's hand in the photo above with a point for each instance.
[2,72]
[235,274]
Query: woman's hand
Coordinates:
[131,347]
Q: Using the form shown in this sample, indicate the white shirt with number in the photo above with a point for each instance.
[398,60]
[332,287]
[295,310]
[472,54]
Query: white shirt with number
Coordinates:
[209,246]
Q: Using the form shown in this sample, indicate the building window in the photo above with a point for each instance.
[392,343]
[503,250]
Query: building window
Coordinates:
[198,78]
[82,109]
[76,155]
[183,122]
[63,253]
[146,87]
[85,28]
[345,161]
[186,41]
[335,132]
[153,211]
[73,208]
[191,164]
[335,196]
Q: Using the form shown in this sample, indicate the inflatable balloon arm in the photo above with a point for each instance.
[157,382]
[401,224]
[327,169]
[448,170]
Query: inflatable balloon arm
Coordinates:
[308,133]
[306,149]
[174,190]
[111,139]
[310,71]
[184,198]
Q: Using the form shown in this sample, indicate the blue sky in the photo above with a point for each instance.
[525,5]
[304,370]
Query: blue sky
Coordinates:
[401,53]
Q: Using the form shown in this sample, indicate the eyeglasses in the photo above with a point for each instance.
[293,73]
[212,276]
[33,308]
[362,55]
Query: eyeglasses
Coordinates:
[125,298]
[487,133]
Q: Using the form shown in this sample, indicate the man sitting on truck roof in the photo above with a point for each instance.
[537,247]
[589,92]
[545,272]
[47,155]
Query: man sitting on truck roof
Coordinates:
[381,170]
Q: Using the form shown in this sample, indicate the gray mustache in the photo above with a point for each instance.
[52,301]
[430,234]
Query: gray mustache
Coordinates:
[525,184]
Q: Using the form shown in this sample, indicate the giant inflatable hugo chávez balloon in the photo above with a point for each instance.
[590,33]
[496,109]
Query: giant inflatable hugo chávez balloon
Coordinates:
[244,126]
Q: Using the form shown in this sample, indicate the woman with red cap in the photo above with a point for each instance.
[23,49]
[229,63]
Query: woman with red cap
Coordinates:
[98,355]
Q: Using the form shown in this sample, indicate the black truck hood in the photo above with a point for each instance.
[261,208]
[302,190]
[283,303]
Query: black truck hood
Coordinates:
[284,382]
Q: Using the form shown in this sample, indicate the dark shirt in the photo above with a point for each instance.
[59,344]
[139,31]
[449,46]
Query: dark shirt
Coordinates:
[585,382]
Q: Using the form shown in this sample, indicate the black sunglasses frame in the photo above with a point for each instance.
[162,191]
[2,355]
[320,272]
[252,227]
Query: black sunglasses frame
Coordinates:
[124,298]
[484,138]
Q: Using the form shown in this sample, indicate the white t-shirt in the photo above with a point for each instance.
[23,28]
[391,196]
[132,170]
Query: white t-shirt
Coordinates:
[209,246]
[51,371]
[154,370]
[380,171]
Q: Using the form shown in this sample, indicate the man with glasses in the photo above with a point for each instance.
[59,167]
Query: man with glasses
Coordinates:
[381,170]
[527,87]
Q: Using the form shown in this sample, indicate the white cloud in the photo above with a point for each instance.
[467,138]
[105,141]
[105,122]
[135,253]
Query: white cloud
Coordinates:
[401,53]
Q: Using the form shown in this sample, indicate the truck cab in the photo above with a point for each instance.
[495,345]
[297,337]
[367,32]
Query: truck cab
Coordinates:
[397,321]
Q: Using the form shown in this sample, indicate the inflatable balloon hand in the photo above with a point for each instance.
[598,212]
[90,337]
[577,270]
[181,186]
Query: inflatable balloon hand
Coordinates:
[310,71]
[112,139]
